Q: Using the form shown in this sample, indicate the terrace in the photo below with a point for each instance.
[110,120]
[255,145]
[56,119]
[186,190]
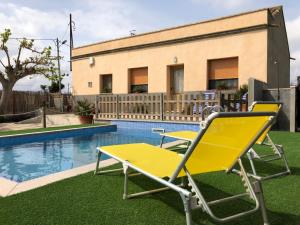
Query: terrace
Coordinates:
[185,107]
[137,104]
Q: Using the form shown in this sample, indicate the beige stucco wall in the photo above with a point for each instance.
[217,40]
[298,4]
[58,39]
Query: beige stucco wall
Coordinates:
[250,47]
[206,27]
[278,50]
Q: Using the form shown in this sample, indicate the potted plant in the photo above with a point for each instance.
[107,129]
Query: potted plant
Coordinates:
[107,90]
[85,111]
[240,95]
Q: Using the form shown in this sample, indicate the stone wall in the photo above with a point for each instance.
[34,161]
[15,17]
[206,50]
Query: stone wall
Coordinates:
[258,91]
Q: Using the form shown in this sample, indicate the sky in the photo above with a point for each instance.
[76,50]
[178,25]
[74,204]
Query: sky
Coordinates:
[99,20]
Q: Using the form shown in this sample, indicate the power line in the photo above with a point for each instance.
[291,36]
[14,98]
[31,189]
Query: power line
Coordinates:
[65,32]
[37,39]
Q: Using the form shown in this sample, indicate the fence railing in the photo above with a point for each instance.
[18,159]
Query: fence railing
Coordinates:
[27,101]
[24,101]
[188,106]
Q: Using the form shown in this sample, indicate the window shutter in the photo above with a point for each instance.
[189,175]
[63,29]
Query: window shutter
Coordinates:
[139,76]
[226,68]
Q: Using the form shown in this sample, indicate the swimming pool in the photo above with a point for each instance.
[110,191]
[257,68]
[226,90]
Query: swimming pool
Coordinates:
[39,156]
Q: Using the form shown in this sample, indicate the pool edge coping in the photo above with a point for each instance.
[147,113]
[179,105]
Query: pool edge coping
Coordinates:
[9,187]
[151,121]
[53,131]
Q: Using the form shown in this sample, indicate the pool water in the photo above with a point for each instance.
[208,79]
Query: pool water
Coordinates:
[31,160]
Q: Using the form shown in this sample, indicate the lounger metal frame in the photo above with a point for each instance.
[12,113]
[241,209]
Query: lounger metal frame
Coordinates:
[278,151]
[252,155]
[191,196]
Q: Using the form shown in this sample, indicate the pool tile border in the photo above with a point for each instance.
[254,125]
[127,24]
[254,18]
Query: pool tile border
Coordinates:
[53,131]
[7,140]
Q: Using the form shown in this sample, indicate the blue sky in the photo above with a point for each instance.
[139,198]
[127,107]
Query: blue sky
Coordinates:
[105,19]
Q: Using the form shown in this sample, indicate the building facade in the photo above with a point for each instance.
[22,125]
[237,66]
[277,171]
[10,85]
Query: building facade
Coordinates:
[216,54]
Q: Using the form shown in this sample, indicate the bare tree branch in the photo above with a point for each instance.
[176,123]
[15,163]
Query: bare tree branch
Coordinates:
[2,78]
[7,55]
[18,57]
[2,64]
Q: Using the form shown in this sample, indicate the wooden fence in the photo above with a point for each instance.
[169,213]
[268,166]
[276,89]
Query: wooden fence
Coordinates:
[27,101]
[189,106]
[24,101]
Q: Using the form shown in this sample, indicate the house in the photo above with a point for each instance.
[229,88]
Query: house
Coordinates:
[219,53]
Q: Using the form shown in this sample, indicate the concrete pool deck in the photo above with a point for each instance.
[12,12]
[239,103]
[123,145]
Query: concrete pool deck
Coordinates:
[9,187]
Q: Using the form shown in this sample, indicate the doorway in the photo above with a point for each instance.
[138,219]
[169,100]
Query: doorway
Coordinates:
[176,81]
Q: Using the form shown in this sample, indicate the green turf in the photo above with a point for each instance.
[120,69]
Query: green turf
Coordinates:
[35,130]
[90,200]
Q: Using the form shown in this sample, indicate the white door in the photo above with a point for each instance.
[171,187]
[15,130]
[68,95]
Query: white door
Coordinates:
[177,80]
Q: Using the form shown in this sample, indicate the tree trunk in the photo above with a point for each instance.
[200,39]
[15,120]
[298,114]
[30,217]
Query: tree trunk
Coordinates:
[6,98]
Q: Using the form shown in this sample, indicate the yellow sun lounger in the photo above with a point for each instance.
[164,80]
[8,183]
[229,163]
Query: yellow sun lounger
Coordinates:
[264,139]
[217,147]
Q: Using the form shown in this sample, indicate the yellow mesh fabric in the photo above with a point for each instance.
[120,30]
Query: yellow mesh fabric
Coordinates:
[157,161]
[224,142]
[183,135]
[269,107]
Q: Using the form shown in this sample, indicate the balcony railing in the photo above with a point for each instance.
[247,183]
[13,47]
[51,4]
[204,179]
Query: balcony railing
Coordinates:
[189,106]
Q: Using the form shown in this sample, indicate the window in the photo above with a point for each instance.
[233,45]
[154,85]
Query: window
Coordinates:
[176,79]
[223,84]
[138,78]
[223,73]
[90,84]
[106,83]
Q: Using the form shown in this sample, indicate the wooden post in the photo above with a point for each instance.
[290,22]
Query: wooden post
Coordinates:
[97,107]
[44,116]
[161,106]
[117,106]
[218,99]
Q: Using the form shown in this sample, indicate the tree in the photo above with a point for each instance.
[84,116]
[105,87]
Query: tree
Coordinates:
[16,68]
[54,87]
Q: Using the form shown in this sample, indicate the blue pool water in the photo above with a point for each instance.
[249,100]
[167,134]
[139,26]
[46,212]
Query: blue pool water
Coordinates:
[37,156]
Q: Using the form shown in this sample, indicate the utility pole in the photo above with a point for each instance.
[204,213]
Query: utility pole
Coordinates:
[58,65]
[59,74]
[71,40]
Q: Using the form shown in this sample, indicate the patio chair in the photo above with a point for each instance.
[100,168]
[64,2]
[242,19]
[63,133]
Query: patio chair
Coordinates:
[264,139]
[217,147]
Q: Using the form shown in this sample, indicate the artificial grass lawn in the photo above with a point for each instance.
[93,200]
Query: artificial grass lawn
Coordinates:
[89,199]
[35,130]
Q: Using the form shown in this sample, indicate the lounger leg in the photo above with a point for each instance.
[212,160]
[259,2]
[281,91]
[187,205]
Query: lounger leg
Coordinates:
[273,145]
[125,169]
[250,157]
[280,153]
[188,145]
[97,170]
[259,193]
[284,160]
[205,206]
[184,182]
[187,208]
[98,162]
[162,141]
